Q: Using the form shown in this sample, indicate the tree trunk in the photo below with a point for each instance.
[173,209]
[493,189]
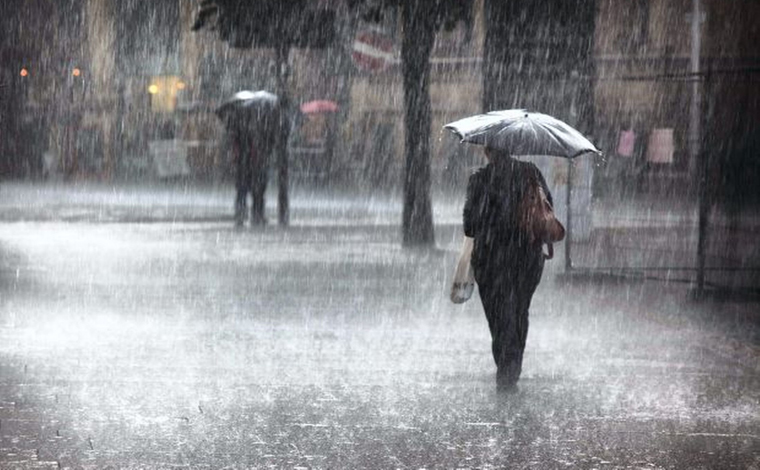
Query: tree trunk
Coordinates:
[338,147]
[418,19]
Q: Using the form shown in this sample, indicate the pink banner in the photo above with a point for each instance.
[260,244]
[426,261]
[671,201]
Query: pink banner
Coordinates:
[626,141]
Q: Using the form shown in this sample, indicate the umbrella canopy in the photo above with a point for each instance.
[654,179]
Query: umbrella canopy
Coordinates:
[248,108]
[522,133]
[319,106]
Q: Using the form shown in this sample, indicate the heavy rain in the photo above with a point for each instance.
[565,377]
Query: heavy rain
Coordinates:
[232,234]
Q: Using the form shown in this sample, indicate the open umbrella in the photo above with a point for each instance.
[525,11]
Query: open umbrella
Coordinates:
[522,133]
[248,108]
[319,106]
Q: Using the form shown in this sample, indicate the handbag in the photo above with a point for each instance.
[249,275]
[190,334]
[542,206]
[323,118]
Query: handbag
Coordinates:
[537,217]
[463,283]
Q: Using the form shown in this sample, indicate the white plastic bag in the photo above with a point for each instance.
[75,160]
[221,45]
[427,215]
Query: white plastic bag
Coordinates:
[464,281]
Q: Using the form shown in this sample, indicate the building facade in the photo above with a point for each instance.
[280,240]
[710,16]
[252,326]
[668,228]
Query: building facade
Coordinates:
[107,78]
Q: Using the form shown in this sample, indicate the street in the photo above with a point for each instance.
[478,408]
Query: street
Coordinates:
[141,330]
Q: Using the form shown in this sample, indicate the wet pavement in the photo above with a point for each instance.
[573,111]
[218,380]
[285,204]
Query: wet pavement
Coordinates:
[138,329]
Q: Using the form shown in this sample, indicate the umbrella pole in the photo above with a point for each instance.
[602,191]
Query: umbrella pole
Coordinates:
[702,229]
[569,228]
[704,197]
[283,201]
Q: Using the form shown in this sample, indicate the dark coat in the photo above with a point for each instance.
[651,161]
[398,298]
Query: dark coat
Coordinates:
[501,249]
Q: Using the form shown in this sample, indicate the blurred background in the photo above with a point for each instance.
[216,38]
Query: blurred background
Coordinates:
[106,91]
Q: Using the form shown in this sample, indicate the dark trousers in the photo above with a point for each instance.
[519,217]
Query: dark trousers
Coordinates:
[251,178]
[506,297]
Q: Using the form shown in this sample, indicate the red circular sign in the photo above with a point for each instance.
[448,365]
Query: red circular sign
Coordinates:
[373,51]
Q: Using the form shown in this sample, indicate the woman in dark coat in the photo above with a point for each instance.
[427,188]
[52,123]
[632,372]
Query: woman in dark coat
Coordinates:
[506,263]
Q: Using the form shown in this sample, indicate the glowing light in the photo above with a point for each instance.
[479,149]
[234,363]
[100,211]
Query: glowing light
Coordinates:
[181,85]
[76,72]
[24,72]
[153,89]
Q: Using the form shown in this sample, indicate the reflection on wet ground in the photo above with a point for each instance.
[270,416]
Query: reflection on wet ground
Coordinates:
[327,346]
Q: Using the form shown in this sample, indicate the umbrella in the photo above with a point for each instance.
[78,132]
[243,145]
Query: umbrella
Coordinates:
[319,106]
[522,133]
[248,108]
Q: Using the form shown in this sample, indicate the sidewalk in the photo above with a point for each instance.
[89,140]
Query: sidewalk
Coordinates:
[653,236]
[659,238]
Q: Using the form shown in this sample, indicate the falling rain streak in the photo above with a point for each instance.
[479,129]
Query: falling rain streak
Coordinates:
[229,232]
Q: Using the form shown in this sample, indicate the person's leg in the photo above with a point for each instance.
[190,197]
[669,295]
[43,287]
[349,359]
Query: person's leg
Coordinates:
[516,333]
[498,303]
[491,307]
[506,308]
[240,203]
[516,324]
[258,191]
[511,339]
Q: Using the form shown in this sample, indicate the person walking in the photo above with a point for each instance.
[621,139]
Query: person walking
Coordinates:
[507,262]
[251,150]
[508,218]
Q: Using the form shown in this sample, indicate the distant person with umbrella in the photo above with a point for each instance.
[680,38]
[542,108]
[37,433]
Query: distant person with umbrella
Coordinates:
[508,214]
[253,120]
